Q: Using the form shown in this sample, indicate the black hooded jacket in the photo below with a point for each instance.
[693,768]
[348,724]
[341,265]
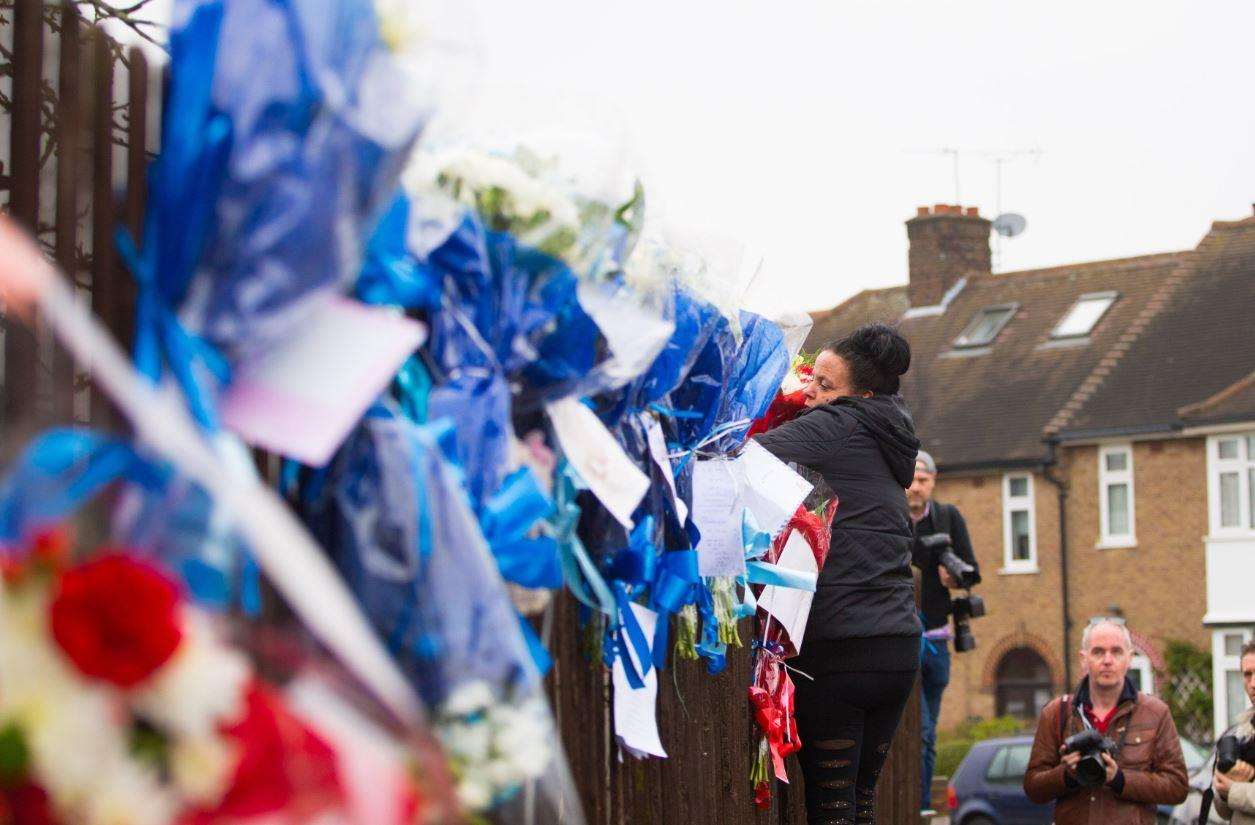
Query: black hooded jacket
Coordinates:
[865,449]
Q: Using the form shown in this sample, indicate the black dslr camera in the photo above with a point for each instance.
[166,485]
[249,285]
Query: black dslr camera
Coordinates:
[1231,747]
[963,608]
[1091,771]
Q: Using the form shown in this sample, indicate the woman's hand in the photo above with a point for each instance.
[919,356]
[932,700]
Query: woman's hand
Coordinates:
[1241,772]
[1221,783]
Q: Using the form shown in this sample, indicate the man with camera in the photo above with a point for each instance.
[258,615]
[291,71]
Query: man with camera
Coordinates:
[1234,779]
[943,553]
[1109,753]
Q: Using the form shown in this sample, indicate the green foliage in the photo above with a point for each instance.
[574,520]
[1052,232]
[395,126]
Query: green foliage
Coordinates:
[1186,687]
[953,745]
[14,756]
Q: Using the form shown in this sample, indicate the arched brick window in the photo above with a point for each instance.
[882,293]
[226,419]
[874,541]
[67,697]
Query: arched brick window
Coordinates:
[1022,683]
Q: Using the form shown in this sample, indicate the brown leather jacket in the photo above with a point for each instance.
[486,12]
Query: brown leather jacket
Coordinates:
[1150,761]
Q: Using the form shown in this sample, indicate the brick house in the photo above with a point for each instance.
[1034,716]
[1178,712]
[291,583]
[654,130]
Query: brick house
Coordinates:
[1095,423]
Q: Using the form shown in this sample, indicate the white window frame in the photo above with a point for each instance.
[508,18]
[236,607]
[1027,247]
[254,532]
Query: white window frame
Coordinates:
[1110,297]
[1009,505]
[1242,465]
[1143,666]
[1106,539]
[1221,665]
[965,341]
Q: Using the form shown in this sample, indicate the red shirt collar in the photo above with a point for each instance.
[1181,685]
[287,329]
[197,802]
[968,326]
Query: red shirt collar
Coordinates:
[1102,724]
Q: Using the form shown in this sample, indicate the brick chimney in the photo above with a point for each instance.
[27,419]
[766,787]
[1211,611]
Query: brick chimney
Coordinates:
[946,243]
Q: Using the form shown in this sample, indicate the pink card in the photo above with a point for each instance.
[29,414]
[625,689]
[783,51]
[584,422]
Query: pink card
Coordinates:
[302,398]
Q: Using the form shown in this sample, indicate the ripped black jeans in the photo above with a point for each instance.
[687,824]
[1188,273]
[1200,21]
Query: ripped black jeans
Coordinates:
[846,720]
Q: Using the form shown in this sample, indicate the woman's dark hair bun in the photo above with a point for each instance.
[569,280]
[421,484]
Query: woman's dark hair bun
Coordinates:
[883,345]
[877,354]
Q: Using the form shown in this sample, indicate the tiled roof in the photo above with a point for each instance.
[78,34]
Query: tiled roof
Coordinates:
[1177,348]
[885,305]
[1194,360]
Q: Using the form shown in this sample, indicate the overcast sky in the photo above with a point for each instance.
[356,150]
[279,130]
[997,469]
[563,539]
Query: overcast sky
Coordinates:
[802,127]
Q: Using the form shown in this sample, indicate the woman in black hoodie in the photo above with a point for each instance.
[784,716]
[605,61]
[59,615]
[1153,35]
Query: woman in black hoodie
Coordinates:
[862,641]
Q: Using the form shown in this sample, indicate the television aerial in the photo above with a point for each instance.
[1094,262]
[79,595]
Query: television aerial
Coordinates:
[1010,224]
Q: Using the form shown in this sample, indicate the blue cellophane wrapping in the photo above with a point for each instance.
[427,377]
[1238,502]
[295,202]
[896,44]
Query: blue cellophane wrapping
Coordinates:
[701,393]
[761,362]
[394,515]
[305,160]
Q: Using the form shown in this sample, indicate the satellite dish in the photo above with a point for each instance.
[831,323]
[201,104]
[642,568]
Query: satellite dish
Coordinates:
[1009,224]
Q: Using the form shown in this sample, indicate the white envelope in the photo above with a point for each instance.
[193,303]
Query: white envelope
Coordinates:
[301,398]
[635,709]
[790,606]
[773,490]
[598,458]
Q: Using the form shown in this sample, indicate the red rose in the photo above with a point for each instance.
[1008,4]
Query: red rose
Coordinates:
[25,804]
[116,618]
[283,766]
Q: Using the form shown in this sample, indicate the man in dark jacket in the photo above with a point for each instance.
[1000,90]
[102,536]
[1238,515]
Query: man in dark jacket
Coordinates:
[1147,769]
[930,517]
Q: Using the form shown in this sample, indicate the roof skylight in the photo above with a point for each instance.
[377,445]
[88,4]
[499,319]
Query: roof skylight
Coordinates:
[1084,315]
[986,325]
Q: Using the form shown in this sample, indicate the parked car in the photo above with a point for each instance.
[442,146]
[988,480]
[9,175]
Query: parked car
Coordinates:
[988,786]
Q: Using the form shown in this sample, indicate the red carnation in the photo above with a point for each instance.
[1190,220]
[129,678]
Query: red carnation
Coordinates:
[116,618]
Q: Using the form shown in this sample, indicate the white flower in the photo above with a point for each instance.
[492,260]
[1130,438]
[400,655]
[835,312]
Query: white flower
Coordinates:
[475,791]
[200,688]
[467,741]
[202,768]
[126,794]
[468,698]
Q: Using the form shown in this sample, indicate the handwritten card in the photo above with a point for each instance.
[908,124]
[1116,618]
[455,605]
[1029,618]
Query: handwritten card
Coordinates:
[773,491]
[301,398]
[791,606]
[658,451]
[635,710]
[598,458]
[717,511]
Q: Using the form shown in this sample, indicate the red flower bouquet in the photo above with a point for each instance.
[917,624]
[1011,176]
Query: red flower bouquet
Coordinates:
[789,401]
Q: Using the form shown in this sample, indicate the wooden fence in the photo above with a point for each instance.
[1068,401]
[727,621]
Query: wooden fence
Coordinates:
[78,116]
[710,740]
[79,111]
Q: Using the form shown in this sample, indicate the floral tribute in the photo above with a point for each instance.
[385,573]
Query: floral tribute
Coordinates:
[789,401]
[771,689]
[119,706]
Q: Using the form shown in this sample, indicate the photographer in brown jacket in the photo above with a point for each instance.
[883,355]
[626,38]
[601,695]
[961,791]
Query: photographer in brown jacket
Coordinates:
[1108,754]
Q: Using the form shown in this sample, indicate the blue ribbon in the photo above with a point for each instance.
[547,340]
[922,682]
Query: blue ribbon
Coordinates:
[508,516]
[675,586]
[709,646]
[60,471]
[161,339]
[582,577]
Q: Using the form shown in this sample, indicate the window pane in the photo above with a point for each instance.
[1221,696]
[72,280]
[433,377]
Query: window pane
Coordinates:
[1020,542]
[1017,761]
[1250,495]
[1235,693]
[1229,448]
[1117,462]
[1230,501]
[1135,676]
[1118,509]
[1082,317]
[998,765]
[1233,644]
[1250,448]
[1019,487]
[985,326]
